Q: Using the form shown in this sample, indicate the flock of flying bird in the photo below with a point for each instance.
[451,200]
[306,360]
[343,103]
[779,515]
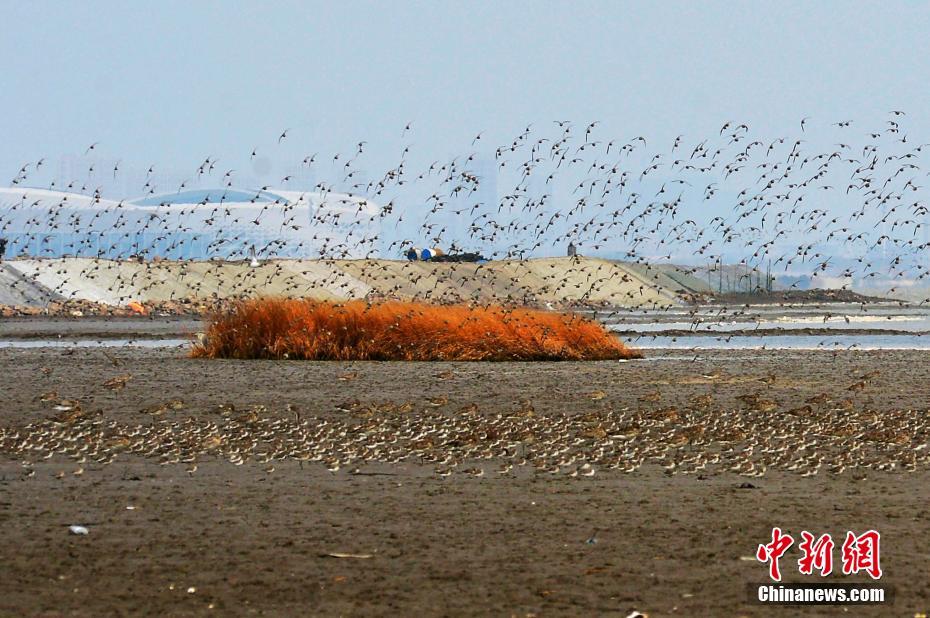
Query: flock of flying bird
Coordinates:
[851,211]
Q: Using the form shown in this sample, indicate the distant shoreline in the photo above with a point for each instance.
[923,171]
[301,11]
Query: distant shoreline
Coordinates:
[766,332]
[782,297]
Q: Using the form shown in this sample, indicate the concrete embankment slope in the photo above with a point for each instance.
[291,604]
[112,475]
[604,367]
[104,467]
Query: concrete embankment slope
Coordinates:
[555,281]
[19,291]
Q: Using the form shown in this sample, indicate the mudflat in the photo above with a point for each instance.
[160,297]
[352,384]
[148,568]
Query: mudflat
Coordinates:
[283,488]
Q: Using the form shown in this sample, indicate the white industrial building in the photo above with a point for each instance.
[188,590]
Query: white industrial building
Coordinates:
[203,224]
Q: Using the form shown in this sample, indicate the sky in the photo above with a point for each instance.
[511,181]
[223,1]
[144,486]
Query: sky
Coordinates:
[171,83]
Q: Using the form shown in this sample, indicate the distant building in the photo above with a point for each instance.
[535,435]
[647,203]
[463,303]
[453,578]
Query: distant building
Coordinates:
[192,225]
[572,250]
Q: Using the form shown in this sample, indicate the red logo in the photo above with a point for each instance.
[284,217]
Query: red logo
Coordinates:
[860,553]
[773,551]
[817,554]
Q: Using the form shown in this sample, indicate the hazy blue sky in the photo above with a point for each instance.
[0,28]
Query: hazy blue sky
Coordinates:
[173,82]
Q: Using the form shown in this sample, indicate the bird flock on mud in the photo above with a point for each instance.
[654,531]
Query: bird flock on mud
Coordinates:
[828,432]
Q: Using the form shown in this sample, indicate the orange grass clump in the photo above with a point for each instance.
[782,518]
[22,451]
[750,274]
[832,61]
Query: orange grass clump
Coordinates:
[273,328]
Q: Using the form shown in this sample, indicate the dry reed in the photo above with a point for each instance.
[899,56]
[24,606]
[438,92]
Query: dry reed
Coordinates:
[273,328]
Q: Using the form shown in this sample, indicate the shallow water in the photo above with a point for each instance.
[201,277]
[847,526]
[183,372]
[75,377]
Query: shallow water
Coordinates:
[783,342]
[735,326]
[902,323]
[94,343]
[653,329]
[840,316]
